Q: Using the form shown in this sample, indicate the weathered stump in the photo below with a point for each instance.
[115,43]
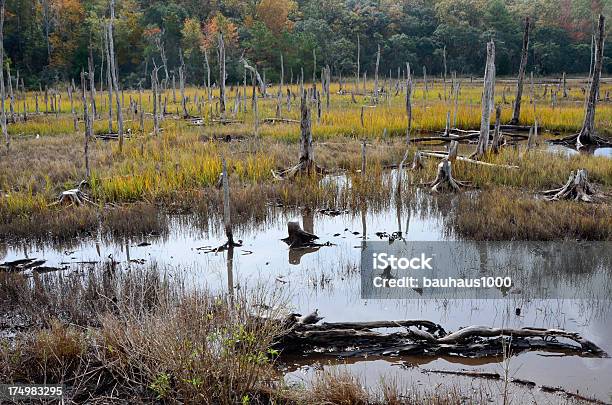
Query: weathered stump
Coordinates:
[444,179]
[299,237]
[576,188]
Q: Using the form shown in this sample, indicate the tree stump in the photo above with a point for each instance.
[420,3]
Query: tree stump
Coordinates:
[576,188]
[299,237]
[444,179]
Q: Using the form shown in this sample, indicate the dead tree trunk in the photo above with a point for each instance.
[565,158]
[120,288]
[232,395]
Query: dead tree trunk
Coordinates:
[2,90]
[306,151]
[208,89]
[182,87]
[376,76]
[306,162]
[408,102]
[227,220]
[357,74]
[109,82]
[487,98]
[516,112]
[279,95]
[88,124]
[587,135]
[221,75]
[115,75]
[154,89]
[92,82]
[495,143]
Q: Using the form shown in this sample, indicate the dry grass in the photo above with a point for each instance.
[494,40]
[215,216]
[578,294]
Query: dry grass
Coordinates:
[513,215]
[140,333]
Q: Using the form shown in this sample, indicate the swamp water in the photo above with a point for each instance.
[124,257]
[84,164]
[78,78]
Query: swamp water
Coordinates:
[328,278]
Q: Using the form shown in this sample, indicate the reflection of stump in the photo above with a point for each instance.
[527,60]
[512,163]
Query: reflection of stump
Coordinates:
[577,188]
[444,179]
[298,237]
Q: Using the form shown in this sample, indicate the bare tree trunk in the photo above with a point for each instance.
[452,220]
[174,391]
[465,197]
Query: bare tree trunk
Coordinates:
[496,132]
[488,94]
[255,108]
[306,149]
[9,81]
[222,74]
[115,74]
[516,112]
[587,133]
[208,89]
[2,90]
[92,82]
[564,86]
[88,124]
[154,89]
[227,220]
[357,75]
[182,86]
[376,75]
[109,82]
[279,95]
[444,61]
[140,109]
[408,102]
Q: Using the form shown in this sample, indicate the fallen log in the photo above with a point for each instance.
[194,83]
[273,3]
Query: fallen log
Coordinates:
[444,155]
[283,120]
[422,337]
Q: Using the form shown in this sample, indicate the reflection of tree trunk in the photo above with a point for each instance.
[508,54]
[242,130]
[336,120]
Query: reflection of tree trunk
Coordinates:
[308,220]
[483,257]
[364,213]
[230,273]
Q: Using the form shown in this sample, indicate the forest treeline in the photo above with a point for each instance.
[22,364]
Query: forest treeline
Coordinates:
[49,41]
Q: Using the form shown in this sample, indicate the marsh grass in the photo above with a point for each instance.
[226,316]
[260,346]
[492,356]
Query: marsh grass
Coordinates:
[179,169]
[514,215]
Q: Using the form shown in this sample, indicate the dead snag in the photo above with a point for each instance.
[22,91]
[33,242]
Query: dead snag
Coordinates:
[516,112]
[222,75]
[2,91]
[299,237]
[227,220]
[576,188]
[444,179]
[488,94]
[115,75]
[408,102]
[587,135]
[306,162]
